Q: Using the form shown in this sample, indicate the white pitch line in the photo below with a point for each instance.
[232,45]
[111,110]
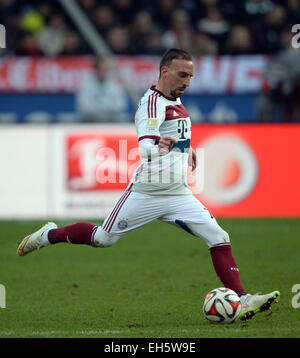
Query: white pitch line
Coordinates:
[151,332]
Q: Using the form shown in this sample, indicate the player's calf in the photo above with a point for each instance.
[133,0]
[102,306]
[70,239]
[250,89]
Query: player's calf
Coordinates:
[79,233]
[83,233]
[226,267]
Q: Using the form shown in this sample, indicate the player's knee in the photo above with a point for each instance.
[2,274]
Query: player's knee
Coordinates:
[104,239]
[220,237]
[226,237]
[211,233]
[215,235]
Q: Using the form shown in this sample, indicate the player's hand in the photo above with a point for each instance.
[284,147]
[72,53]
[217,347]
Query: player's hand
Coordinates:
[165,144]
[192,159]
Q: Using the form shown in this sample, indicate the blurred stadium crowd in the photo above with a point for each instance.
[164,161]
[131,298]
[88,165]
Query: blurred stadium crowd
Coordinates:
[132,27]
[149,27]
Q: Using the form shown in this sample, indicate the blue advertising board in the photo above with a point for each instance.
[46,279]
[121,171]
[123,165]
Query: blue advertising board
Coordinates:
[223,108]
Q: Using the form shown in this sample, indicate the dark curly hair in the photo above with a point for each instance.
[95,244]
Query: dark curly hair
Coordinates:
[171,54]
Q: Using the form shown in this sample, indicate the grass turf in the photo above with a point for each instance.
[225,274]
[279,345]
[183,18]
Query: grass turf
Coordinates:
[149,284]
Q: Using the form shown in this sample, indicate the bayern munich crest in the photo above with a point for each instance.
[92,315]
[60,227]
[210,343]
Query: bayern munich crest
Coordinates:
[122,224]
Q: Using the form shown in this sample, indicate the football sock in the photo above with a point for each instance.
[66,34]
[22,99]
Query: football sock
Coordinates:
[226,268]
[79,233]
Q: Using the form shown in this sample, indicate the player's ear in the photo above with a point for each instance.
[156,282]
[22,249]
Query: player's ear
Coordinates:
[164,71]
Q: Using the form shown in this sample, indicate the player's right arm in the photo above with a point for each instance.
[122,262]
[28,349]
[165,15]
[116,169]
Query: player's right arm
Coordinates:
[149,116]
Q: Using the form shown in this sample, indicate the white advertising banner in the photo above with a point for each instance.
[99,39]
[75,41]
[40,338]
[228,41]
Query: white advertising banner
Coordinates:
[79,172]
[90,167]
[50,172]
[24,169]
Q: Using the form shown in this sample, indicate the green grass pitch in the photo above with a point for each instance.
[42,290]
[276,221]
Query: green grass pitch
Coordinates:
[149,284]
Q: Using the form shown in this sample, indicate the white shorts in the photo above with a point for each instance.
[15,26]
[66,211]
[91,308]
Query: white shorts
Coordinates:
[135,209]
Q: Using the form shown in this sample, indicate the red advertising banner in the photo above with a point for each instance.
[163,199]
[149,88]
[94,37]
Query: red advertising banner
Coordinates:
[222,74]
[250,170]
[47,75]
[101,161]
[244,170]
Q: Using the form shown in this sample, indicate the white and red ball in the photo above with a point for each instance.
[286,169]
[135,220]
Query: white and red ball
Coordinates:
[222,305]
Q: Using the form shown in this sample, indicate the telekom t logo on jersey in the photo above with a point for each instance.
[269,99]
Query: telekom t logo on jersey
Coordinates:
[182,128]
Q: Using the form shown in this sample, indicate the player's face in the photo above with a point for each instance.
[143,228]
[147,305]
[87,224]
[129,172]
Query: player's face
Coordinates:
[177,76]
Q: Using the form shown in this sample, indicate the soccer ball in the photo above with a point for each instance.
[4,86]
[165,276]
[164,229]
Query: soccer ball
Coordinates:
[222,305]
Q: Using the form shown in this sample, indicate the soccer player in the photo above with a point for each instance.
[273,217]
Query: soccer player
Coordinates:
[158,188]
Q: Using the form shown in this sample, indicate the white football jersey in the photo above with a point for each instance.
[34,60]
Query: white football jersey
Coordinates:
[159,116]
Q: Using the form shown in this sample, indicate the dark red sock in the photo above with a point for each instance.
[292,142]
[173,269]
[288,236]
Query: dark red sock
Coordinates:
[226,268]
[79,233]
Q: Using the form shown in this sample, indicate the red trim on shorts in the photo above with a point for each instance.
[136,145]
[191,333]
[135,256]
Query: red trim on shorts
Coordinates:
[118,210]
[113,215]
[221,244]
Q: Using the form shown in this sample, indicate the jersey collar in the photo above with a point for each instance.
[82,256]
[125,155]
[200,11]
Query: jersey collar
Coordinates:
[153,88]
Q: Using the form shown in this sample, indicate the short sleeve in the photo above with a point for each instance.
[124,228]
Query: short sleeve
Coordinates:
[149,116]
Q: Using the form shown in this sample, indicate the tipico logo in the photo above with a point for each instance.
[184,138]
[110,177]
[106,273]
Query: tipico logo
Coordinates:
[2,36]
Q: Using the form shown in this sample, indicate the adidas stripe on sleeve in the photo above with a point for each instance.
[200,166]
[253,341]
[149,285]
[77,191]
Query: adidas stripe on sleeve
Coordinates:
[149,116]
